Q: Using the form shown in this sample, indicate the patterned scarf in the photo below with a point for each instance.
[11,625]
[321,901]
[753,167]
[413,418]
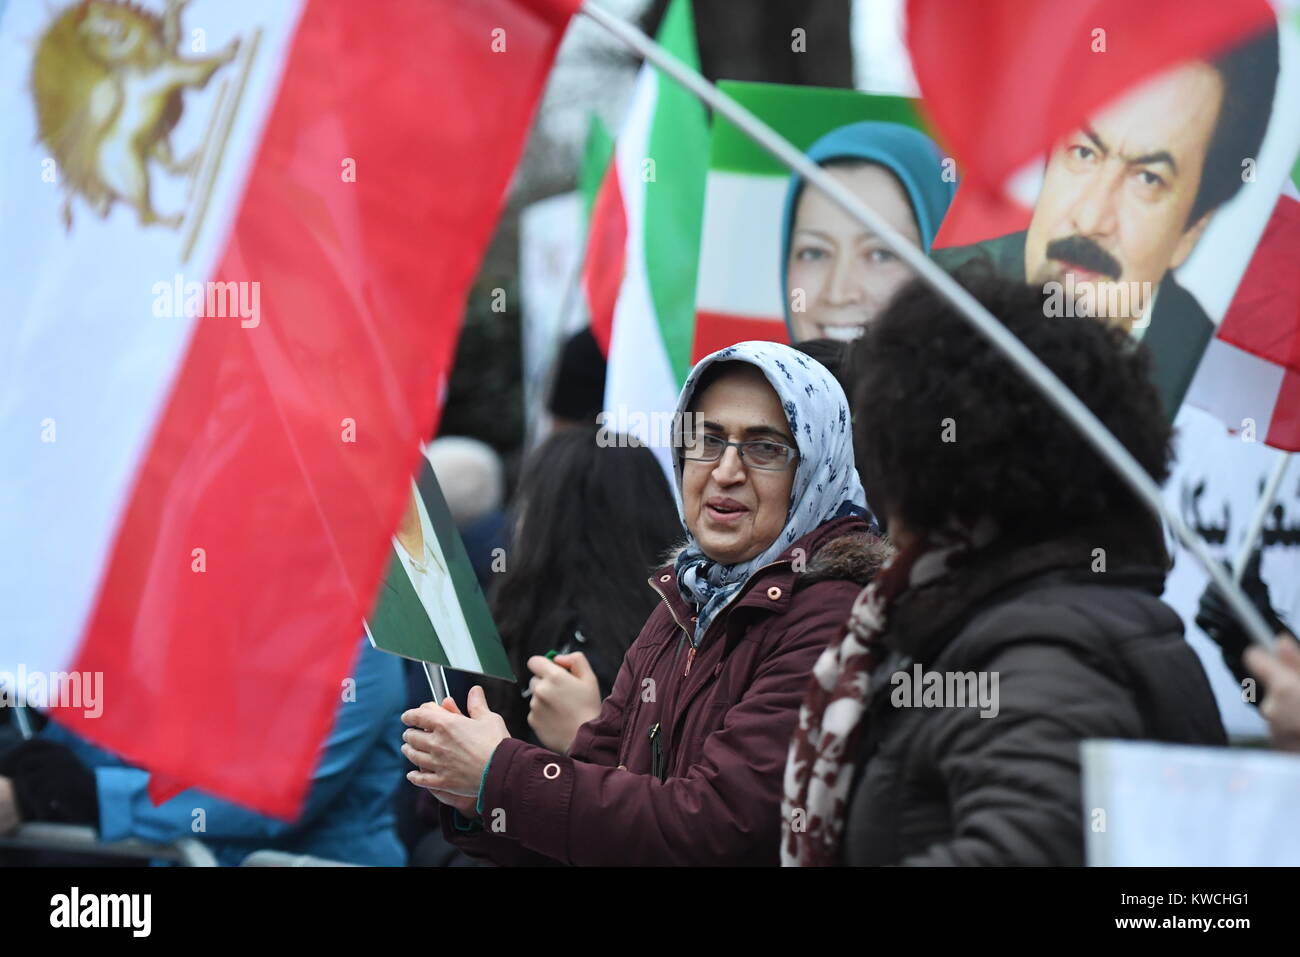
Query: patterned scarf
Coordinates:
[826,484]
[824,751]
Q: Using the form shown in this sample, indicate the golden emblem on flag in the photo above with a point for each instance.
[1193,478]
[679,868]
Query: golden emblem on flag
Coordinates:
[108,82]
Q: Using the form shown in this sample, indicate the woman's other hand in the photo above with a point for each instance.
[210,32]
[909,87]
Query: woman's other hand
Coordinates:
[566,695]
[451,750]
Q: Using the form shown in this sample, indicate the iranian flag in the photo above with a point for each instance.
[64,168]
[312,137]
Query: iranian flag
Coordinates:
[644,246]
[1250,374]
[238,241]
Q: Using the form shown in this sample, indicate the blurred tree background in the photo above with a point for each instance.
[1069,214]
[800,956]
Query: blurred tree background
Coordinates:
[738,40]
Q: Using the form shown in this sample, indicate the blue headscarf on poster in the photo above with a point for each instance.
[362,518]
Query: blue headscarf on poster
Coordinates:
[907,153]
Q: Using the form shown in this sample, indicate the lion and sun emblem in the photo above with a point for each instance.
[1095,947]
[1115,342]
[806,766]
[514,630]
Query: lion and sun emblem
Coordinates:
[108,82]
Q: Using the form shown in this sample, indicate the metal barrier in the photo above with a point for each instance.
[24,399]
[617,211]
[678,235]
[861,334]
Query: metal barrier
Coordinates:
[74,838]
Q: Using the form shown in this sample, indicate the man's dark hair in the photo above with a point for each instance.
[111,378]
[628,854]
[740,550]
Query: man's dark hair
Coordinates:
[1015,458]
[1249,74]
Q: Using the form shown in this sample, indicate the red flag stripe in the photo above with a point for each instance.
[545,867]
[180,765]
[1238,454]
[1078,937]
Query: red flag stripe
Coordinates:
[602,274]
[228,678]
[1264,316]
[717,330]
[1284,428]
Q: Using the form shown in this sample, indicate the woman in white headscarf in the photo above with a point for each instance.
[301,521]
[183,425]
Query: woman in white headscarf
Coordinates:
[684,763]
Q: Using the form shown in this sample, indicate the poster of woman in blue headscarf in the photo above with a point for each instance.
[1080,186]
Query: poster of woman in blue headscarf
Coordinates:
[831,275]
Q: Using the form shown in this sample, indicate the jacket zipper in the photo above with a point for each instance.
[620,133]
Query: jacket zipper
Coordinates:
[690,657]
[656,752]
[656,732]
[631,720]
[690,654]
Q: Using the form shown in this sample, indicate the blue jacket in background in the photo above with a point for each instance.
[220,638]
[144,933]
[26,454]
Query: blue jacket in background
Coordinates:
[348,814]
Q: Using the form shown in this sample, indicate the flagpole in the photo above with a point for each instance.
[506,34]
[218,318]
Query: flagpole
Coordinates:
[436,675]
[1065,401]
[1261,513]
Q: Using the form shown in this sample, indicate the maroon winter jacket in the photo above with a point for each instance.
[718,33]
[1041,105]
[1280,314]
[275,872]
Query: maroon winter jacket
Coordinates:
[685,763]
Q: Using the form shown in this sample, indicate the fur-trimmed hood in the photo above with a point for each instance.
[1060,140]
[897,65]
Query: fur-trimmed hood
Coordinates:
[855,558]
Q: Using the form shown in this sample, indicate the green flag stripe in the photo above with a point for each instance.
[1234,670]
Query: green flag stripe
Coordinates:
[596,154]
[801,115]
[674,198]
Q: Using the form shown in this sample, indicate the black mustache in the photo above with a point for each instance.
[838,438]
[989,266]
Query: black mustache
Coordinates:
[1085,254]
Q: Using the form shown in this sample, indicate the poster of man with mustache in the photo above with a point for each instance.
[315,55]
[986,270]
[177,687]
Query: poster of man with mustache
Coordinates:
[1161,173]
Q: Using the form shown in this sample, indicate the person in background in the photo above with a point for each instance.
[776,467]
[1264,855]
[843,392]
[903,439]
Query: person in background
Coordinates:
[836,274]
[1021,614]
[683,765]
[1277,693]
[1279,674]
[472,480]
[1216,619]
[58,777]
[578,383]
[593,520]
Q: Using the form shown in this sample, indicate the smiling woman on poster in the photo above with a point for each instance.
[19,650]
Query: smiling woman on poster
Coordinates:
[836,274]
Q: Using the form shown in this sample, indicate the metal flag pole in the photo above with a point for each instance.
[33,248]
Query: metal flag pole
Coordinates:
[24,722]
[1065,401]
[1256,526]
[437,678]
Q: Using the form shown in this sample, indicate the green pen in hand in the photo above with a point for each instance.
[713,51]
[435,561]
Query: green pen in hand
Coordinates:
[549,656]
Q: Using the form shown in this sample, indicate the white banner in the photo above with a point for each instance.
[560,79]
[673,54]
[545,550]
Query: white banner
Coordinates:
[550,247]
[1215,485]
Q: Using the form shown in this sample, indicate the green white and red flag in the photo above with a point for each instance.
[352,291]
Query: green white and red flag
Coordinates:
[643,250]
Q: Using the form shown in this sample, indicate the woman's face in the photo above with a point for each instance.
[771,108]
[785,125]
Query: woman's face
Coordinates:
[734,510]
[846,274]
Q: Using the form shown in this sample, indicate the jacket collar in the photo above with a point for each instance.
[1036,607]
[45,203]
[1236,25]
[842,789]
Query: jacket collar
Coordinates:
[922,621]
[776,578]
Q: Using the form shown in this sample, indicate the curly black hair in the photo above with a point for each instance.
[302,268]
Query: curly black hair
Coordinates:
[945,428]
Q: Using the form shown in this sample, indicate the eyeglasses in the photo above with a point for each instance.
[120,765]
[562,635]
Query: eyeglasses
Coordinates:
[760,453]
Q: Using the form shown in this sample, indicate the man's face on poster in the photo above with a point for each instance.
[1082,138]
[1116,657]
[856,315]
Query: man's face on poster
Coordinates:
[1117,193]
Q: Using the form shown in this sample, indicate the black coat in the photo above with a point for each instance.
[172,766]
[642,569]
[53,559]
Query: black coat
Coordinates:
[1078,654]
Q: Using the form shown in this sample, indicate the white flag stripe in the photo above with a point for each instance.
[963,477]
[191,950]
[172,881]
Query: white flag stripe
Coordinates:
[84,353]
[639,381]
[1236,386]
[740,245]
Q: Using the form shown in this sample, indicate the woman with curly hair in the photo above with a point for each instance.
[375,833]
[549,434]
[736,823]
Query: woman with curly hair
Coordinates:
[1021,614]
